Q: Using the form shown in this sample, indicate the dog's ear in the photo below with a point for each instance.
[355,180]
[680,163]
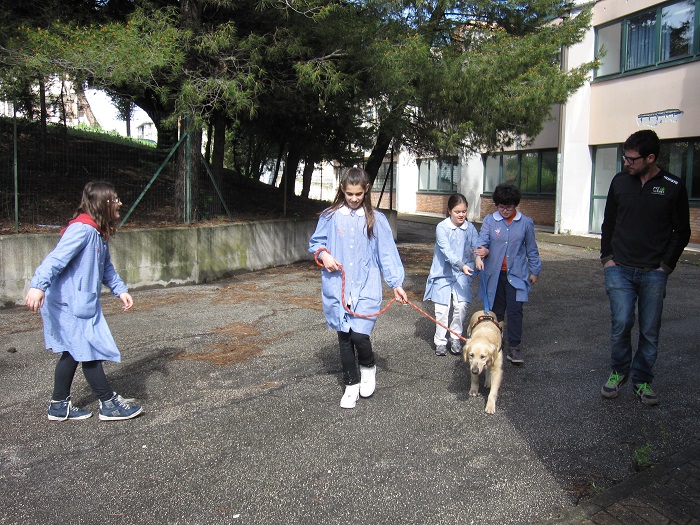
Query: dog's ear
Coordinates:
[465,352]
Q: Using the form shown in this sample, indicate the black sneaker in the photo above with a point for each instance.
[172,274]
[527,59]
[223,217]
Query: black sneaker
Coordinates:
[610,389]
[515,356]
[645,394]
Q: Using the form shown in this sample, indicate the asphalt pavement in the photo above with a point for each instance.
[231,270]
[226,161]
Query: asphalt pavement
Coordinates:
[240,381]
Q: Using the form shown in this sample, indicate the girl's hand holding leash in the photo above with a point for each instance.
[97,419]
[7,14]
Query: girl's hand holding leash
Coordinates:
[330,263]
[34,299]
[467,271]
[127,301]
[400,295]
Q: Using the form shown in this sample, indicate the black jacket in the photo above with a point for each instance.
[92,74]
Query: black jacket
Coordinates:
[645,226]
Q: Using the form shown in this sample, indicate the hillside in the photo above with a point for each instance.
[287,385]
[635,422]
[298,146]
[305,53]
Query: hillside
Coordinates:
[50,180]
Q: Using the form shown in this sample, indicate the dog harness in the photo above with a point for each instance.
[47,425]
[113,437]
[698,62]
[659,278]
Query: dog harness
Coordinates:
[482,319]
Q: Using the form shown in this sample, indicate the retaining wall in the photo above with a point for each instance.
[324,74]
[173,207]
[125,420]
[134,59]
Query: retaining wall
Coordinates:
[170,256]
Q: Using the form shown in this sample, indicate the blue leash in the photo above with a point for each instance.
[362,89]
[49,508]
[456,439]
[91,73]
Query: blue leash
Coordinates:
[483,290]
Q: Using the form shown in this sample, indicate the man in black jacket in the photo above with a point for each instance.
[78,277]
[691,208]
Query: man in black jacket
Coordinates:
[645,228]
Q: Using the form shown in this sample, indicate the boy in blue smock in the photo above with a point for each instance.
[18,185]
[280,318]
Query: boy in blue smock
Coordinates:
[512,265]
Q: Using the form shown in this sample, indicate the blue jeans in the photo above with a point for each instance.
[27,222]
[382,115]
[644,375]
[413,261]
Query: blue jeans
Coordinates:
[506,302]
[626,287]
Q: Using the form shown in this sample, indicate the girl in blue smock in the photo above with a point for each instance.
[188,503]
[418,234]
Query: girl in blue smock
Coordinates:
[352,235]
[450,275]
[66,289]
[512,266]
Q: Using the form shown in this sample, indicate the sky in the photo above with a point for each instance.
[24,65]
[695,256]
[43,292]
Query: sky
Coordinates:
[106,113]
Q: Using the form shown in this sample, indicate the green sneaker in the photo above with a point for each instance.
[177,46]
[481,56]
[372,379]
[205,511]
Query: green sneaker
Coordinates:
[645,394]
[610,389]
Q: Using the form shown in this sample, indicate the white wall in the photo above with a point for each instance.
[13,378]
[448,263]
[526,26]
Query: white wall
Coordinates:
[575,155]
[406,183]
[471,184]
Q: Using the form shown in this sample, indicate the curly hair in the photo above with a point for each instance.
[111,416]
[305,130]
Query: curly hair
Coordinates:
[506,194]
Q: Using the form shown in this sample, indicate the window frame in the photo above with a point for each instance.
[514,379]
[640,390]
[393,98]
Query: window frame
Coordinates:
[519,155]
[691,161]
[433,175]
[658,63]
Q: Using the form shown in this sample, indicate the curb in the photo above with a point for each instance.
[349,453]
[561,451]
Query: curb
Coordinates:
[673,466]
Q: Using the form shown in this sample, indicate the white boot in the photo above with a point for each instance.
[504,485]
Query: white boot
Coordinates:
[367,380]
[350,397]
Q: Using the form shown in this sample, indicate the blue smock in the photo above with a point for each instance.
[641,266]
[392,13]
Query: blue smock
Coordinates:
[454,248]
[72,276]
[365,261]
[516,242]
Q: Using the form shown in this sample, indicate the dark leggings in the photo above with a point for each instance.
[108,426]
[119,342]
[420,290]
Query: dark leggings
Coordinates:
[350,344]
[93,372]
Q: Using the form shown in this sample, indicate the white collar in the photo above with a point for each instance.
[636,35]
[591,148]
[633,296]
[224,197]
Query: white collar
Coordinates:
[346,211]
[498,217]
[453,226]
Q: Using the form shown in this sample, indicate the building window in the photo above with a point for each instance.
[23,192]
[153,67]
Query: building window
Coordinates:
[534,172]
[648,39]
[679,157]
[383,179]
[440,176]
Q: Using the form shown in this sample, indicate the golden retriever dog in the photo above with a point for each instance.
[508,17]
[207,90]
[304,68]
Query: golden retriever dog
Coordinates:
[483,352]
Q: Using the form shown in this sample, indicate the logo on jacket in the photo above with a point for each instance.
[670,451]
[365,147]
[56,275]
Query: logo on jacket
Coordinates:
[669,179]
[341,232]
[658,190]
[497,231]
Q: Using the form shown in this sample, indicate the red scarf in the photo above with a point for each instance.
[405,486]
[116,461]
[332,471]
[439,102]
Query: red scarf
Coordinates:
[83,218]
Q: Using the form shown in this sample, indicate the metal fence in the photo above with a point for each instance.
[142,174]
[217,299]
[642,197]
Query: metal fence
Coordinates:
[42,177]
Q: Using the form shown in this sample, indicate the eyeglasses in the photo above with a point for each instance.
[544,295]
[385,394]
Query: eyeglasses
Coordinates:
[114,201]
[631,160]
[502,207]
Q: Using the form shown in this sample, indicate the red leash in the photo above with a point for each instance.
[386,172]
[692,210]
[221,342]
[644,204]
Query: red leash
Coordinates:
[366,316]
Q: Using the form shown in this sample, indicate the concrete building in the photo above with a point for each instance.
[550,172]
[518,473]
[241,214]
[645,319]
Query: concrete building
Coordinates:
[648,78]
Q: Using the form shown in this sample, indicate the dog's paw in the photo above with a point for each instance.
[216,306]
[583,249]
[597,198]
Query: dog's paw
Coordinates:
[474,392]
[490,408]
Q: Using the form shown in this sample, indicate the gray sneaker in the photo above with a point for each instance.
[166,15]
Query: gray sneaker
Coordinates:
[515,356]
[612,387]
[645,394]
[456,347]
[441,350]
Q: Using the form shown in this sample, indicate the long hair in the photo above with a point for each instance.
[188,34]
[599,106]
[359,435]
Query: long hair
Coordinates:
[353,177]
[98,201]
